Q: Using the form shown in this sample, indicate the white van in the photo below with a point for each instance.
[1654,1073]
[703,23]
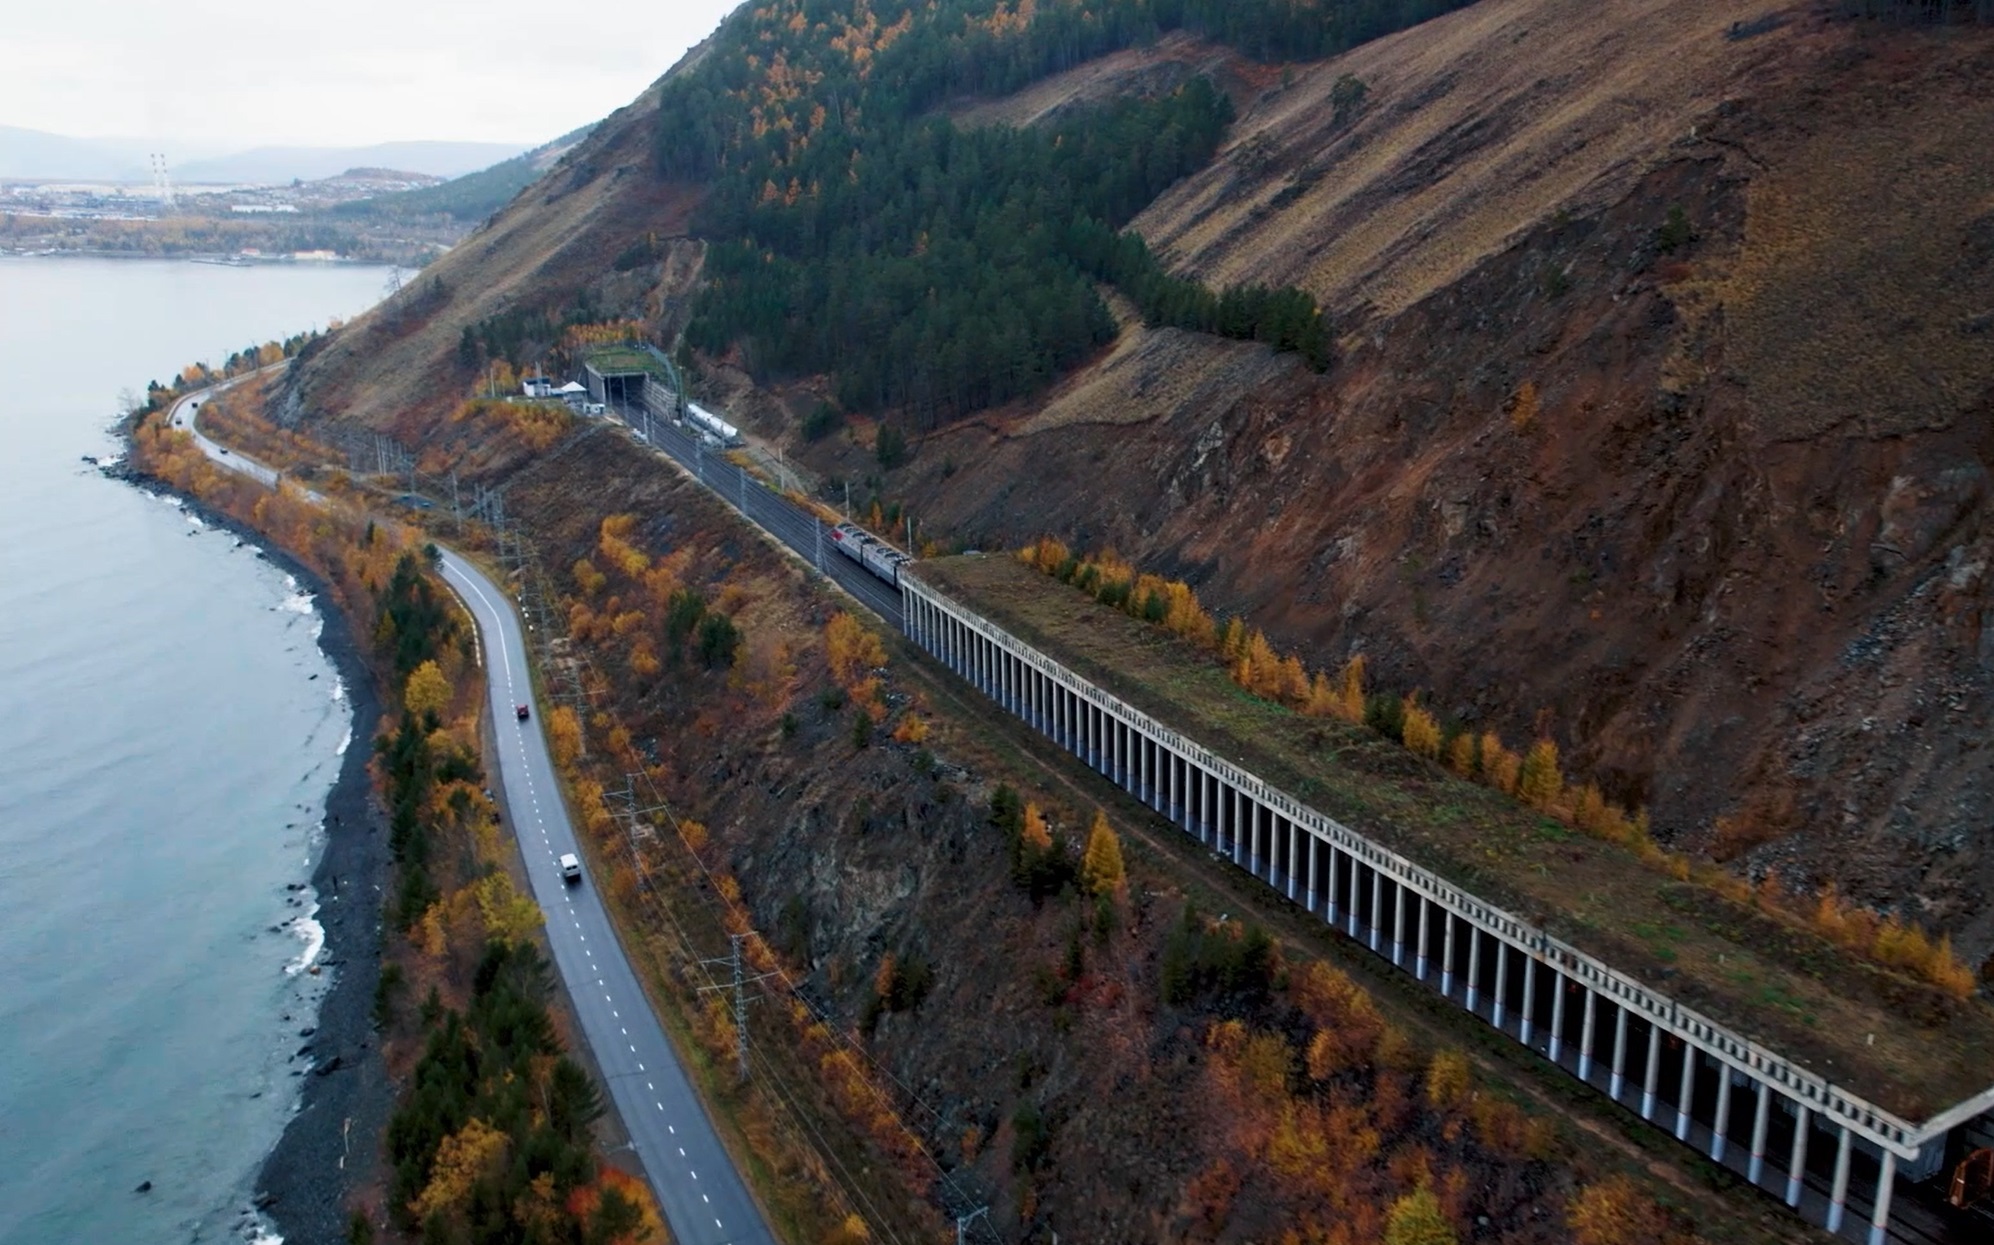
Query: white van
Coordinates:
[571,868]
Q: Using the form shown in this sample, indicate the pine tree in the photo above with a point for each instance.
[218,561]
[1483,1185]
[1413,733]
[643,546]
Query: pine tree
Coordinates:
[1416,1219]
[1101,868]
[1540,784]
[1418,729]
[1461,755]
[1353,689]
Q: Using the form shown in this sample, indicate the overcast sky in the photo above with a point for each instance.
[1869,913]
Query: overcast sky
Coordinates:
[349,72]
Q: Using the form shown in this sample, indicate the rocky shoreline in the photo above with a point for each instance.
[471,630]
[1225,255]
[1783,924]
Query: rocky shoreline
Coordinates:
[329,1150]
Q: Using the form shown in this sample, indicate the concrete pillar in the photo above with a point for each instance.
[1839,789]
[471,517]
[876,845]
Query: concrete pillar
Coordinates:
[1377,905]
[1398,924]
[1331,909]
[1356,880]
[1585,1034]
[1474,966]
[1447,956]
[1528,1021]
[1425,928]
[1235,807]
[1292,838]
[1557,1013]
[1761,1117]
[1312,865]
[1796,1171]
[1839,1199]
[1686,1091]
[1501,981]
[1654,1071]
[1723,1122]
[1879,1222]
[1619,1078]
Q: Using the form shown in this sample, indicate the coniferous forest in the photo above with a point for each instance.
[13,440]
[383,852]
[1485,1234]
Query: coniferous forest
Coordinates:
[933,270]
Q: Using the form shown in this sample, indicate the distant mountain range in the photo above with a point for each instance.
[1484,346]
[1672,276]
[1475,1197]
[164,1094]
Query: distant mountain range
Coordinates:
[57,157]
[474,196]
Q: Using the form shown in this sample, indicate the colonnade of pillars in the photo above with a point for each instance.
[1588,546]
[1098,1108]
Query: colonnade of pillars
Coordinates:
[1738,1119]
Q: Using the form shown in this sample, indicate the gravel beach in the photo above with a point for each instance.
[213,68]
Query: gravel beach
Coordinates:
[330,1148]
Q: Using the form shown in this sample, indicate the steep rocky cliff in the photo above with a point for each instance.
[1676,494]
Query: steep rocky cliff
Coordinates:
[1659,419]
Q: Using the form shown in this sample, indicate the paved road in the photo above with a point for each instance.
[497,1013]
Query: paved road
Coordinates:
[702,1195]
[182,416]
[789,523]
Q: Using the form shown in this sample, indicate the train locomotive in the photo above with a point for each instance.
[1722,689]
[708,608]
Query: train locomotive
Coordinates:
[869,551]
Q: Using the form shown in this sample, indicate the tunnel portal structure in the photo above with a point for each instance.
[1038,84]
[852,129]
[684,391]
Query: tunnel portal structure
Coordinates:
[1829,1154]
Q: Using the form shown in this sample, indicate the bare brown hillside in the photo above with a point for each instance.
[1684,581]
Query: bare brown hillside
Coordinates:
[1707,499]
[1736,557]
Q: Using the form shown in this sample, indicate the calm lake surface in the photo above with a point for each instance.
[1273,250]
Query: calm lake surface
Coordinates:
[168,733]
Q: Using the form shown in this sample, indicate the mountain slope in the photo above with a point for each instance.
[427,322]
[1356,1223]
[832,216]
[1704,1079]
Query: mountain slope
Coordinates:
[1658,422]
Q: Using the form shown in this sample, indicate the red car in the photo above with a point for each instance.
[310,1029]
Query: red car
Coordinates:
[522,712]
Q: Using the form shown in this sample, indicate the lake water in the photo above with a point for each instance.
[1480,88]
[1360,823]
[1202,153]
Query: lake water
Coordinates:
[168,733]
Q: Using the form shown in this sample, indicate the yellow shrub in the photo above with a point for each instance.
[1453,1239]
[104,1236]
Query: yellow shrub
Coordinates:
[1539,783]
[1461,755]
[1419,730]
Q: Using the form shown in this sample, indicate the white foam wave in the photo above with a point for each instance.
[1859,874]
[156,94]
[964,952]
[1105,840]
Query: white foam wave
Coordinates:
[298,603]
[312,934]
[345,742]
[338,689]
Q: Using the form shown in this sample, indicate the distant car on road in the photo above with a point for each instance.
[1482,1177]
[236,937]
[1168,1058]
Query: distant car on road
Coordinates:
[522,712]
[222,448]
[571,868]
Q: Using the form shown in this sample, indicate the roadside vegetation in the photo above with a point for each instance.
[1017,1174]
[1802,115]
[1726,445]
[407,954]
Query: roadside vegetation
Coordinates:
[494,1138]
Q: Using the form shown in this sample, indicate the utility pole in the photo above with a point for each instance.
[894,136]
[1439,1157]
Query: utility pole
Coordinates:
[737,985]
[963,1221]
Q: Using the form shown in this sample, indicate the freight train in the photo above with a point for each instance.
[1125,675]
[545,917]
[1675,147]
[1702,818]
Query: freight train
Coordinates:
[714,427]
[869,551]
